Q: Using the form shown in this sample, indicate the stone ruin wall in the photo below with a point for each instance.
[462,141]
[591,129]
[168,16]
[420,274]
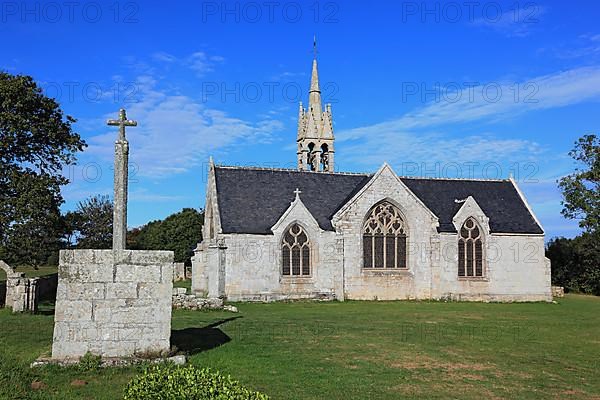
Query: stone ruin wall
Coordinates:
[20,293]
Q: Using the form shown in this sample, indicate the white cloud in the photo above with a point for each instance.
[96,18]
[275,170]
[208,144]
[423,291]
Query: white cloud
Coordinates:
[417,135]
[288,76]
[499,100]
[164,57]
[592,37]
[199,61]
[518,21]
[429,149]
[482,101]
[176,132]
[585,46]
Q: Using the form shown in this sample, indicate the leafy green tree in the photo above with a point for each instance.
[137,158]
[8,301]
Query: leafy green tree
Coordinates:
[576,263]
[34,234]
[587,247]
[179,232]
[581,189]
[92,223]
[561,252]
[36,142]
[69,223]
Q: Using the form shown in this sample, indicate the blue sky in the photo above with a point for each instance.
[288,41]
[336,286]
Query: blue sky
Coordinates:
[444,89]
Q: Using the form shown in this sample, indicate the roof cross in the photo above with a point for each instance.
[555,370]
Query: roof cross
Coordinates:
[122,122]
[297,193]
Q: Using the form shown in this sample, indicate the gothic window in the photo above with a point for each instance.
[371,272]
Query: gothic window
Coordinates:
[470,250]
[295,252]
[384,238]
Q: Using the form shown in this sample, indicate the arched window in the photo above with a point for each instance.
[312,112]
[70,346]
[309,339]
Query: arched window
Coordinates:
[295,252]
[384,238]
[470,250]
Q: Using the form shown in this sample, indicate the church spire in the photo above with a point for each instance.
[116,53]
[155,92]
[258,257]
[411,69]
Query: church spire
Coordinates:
[315,128]
[314,95]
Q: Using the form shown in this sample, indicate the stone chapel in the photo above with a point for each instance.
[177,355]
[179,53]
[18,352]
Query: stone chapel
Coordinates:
[314,233]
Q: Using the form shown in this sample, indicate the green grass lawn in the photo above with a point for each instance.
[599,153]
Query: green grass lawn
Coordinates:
[187,284]
[31,272]
[354,350]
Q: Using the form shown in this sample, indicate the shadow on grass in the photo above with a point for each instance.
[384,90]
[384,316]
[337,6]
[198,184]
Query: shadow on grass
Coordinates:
[196,340]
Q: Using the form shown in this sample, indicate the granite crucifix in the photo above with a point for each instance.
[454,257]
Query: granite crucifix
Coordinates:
[121,172]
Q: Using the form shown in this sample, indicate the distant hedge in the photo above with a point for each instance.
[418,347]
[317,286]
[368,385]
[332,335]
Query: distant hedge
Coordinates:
[179,232]
[576,263]
[167,382]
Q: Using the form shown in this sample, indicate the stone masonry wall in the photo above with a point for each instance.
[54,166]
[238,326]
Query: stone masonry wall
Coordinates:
[113,303]
[371,284]
[248,267]
[253,269]
[515,270]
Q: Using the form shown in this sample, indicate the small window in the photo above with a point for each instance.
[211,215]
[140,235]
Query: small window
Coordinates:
[295,252]
[470,250]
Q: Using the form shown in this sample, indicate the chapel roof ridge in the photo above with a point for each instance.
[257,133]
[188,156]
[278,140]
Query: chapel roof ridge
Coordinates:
[432,178]
[256,168]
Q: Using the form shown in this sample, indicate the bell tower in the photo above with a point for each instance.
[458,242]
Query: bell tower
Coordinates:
[315,129]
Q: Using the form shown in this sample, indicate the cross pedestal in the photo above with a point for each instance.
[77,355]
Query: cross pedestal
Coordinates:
[120,183]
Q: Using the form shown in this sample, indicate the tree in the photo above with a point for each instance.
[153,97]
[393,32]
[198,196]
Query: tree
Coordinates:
[69,236]
[92,223]
[562,254]
[36,142]
[575,263]
[179,232]
[33,237]
[581,189]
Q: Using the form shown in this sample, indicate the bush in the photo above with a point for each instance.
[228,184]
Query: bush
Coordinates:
[167,382]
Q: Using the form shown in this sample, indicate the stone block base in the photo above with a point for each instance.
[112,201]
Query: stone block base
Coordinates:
[113,304]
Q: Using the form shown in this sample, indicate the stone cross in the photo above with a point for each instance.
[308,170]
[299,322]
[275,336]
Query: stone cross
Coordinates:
[121,172]
[297,193]
[122,122]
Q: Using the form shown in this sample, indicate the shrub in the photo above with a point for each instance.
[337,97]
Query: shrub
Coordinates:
[167,382]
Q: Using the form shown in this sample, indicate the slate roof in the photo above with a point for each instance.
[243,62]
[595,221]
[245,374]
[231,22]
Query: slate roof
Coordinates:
[499,200]
[251,200]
